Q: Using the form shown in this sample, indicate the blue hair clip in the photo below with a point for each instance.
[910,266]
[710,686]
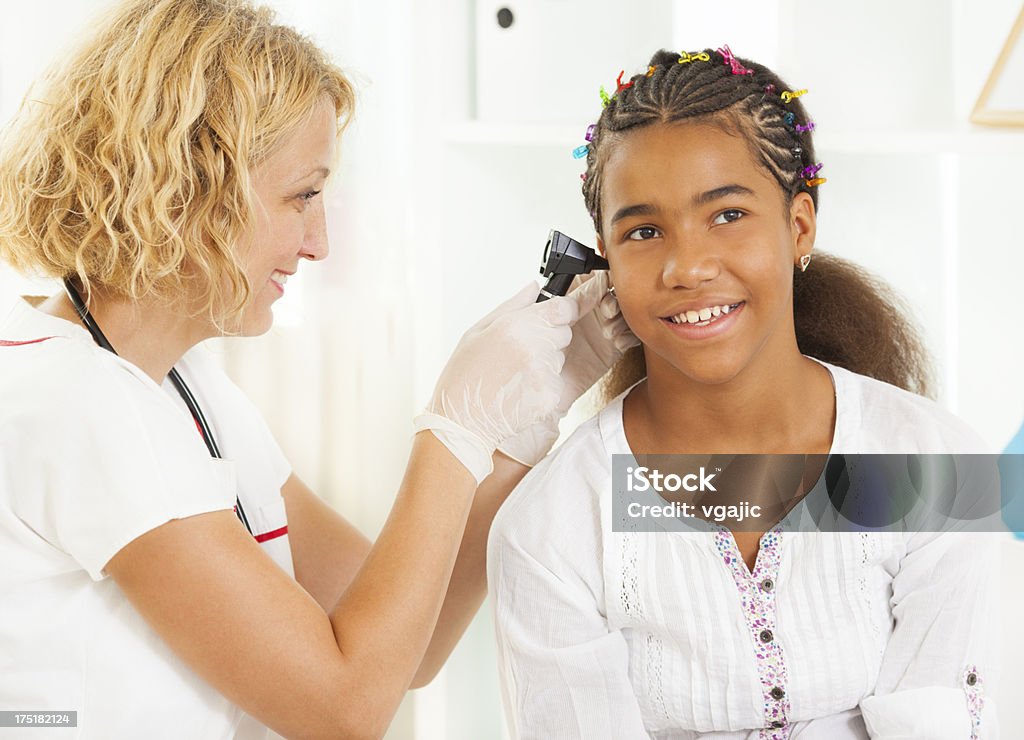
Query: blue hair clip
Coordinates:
[581,151]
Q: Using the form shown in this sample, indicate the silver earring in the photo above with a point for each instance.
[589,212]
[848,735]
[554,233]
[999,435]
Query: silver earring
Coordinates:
[804,261]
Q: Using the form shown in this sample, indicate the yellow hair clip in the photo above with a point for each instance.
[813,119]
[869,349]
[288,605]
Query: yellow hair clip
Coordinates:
[650,71]
[686,57]
[788,96]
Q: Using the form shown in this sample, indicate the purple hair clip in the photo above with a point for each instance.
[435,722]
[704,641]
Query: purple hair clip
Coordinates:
[590,132]
[804,129]
[733,62]
[811,171]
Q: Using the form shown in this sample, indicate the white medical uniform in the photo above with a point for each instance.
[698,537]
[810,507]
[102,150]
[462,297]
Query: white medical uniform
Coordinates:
[608,635]
[93,453]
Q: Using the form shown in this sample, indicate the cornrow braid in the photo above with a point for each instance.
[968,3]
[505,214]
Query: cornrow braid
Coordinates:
[842,314]
[747,104]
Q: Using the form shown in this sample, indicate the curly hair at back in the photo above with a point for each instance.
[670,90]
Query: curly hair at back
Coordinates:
[130,167]
[842,314]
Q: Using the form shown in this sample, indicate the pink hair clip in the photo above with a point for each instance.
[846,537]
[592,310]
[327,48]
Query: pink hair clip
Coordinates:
[732,62]
[809,172]
[620,85]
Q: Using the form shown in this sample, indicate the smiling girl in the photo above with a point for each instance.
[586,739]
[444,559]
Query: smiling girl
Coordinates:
[702,183]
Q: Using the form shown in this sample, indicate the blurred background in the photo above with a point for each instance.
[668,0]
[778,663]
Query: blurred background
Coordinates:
[459,162]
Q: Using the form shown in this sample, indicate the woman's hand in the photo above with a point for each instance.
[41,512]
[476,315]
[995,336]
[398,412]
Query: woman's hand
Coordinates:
[515,373]
[599,339]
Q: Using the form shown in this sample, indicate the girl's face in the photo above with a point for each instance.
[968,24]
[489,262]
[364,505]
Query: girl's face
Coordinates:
[702,250]
[291,226]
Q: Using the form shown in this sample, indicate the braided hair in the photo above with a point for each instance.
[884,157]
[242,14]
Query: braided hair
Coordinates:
[842,314]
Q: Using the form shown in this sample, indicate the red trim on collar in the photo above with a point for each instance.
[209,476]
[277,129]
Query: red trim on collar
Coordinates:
[10,343]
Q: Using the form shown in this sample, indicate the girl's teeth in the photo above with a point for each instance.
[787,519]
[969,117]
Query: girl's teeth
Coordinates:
[701,317]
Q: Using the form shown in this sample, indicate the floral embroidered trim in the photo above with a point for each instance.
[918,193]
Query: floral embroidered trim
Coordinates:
[757,599]
[975,698]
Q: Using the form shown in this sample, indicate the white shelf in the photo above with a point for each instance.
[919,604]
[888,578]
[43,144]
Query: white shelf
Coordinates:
[966,140]
[521,134]
[972,140]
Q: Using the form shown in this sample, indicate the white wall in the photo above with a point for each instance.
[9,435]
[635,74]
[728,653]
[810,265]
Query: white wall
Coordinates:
[438,213]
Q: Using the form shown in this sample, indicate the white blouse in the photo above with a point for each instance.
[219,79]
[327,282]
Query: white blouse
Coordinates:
[667,635]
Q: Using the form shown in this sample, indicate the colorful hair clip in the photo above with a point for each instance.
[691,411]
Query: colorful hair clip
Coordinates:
[581,151]
[789,118]
[620,85]
[589,136]
[605,97]
[687,57]
[732,62]
[805,129]
[815,182]
[650,70]
[769,89]
[583,176]
[788,96]
[810,171]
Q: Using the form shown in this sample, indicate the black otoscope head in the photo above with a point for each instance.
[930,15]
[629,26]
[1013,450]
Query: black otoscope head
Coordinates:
[564,259]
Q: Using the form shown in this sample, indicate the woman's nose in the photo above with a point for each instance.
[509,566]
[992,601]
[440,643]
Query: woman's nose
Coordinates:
[314,245]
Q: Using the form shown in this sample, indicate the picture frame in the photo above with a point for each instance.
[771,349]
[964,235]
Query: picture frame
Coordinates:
[1001,102]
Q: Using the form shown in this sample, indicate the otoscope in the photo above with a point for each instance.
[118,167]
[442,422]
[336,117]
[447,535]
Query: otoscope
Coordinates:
[564,259]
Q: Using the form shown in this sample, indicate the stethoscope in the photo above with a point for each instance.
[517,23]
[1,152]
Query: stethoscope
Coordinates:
[179,384]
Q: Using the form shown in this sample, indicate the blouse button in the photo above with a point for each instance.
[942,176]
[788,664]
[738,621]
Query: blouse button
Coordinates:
[766,635]
[972,678]
[778,693]
[767,584]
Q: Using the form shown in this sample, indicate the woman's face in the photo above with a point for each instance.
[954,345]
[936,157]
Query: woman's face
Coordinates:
[694,228]
[291,226]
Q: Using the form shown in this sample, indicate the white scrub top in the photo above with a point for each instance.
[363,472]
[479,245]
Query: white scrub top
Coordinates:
[93,453]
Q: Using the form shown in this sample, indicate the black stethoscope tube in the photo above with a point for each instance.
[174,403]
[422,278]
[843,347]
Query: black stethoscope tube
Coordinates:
[179,384]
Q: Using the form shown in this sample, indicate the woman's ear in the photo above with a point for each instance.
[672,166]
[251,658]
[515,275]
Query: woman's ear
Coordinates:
[802,225]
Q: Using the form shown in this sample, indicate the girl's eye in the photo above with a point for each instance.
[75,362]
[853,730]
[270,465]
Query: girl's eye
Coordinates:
[731,215]
[643,233]
[308,196]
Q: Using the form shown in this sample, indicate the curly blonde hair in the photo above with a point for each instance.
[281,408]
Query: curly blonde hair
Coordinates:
[131,166]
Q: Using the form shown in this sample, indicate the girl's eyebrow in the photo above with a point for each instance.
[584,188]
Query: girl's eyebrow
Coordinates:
[641,209]
[708,196]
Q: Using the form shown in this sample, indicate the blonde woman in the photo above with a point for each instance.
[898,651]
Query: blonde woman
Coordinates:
[163,568]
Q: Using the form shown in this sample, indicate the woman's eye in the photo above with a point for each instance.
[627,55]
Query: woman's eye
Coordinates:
[643,233]
[729,216]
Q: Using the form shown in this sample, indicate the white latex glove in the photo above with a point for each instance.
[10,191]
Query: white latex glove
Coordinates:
[599,339]
[503,377]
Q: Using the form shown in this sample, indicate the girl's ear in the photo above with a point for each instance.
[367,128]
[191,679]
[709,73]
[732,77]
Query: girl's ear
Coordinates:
[802,225]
